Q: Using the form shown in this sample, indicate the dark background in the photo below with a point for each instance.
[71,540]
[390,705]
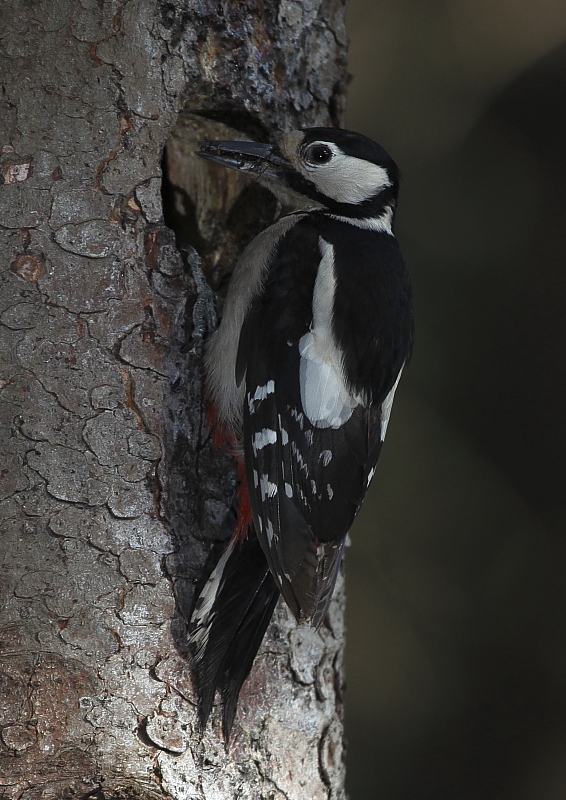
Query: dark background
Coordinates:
[456,652]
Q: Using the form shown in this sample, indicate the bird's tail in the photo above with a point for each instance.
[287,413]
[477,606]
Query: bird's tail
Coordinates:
[228,624]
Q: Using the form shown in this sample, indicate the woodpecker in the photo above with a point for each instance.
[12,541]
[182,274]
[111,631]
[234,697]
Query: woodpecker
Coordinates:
[301,374]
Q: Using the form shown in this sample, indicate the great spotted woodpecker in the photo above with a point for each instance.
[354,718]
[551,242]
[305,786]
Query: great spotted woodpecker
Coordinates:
[301,373]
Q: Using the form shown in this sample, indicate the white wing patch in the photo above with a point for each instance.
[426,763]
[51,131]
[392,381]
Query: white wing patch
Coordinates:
[324,394]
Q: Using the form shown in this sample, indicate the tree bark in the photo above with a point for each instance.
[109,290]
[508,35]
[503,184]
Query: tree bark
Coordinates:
[112,498]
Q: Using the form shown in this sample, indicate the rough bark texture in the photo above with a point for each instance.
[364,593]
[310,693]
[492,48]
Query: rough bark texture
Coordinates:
[111,496]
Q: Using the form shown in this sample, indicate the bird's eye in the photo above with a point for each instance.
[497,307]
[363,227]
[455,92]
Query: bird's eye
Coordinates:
[318,154]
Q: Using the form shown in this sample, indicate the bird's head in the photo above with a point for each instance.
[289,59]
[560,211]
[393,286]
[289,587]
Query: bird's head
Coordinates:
[339,170]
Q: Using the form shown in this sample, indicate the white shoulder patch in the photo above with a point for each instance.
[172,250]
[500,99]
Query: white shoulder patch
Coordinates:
[324,394]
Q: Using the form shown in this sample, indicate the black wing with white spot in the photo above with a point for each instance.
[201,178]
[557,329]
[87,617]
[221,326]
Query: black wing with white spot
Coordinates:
[311,440]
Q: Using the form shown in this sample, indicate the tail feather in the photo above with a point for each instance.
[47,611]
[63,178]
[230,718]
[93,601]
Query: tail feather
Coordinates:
[243,649]
[228,625]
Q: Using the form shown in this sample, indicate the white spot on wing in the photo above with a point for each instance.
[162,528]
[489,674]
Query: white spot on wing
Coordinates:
[326,457]
[284,434]
[298,456]
[288,490]
[263,438]
[269,531]
[298,416]
[266,487]
[329,491]
[261,392]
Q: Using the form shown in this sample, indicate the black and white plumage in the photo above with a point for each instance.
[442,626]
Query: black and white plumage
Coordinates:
[301,374]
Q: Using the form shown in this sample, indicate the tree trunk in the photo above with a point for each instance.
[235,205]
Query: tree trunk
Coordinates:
[111,497]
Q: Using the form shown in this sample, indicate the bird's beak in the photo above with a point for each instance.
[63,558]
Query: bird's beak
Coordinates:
[255,158]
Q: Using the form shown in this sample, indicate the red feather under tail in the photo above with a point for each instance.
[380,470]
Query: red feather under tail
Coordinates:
[244,506]
[223,438]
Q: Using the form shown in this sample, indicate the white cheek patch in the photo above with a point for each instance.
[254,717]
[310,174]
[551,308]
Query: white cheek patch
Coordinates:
[324,394]
[347,179]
